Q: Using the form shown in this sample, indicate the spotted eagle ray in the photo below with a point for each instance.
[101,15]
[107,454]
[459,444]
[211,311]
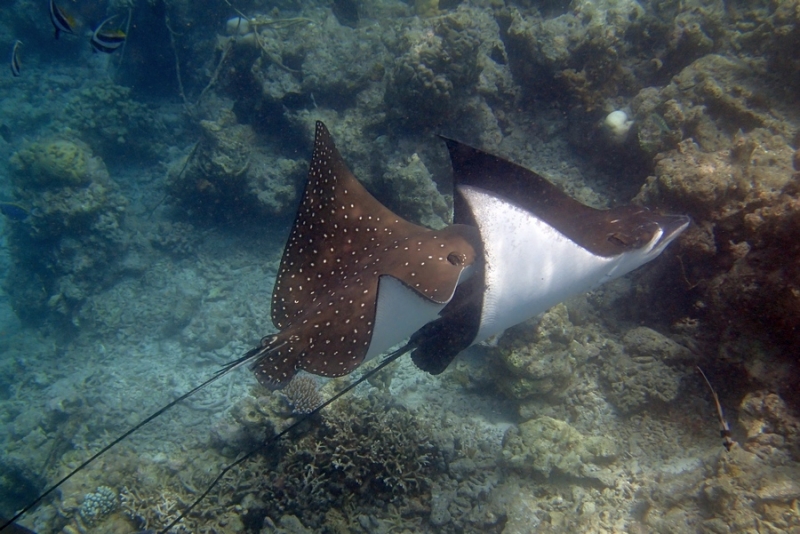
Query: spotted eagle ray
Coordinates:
[355,279]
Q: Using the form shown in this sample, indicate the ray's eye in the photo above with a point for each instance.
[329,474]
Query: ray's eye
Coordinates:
[456,259]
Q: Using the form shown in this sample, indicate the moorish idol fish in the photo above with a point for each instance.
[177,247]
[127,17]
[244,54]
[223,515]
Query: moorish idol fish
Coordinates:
[15,64]
[107,41]
[61,21]
[355,279]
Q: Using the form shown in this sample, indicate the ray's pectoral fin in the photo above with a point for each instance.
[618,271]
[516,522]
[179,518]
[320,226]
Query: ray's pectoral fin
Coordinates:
[437,343]
[355,279]
[271,362]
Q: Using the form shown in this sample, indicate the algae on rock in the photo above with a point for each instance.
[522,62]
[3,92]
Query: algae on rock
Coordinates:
[642,370]
[549,446]
[540,359]
[55,162]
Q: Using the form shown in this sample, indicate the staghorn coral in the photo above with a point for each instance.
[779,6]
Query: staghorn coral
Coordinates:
[383,456]
[377,465]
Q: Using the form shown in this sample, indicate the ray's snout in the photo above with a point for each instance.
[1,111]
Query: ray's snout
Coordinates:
[672,226]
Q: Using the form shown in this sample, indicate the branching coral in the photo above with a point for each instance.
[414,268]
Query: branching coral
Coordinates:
[384,455]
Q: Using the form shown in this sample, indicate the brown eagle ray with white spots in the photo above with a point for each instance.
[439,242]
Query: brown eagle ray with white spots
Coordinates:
[344,250]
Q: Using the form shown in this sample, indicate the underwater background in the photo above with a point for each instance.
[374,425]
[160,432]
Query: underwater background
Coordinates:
[147,194]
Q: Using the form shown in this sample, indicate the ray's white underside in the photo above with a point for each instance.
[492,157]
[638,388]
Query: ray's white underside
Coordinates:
[531,266]
[401,311]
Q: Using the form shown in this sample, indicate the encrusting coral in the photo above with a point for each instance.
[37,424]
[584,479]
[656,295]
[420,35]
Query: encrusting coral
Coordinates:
[73,231]
[55,162]
[546,445]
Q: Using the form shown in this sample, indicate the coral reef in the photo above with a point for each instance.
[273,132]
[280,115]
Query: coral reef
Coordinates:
[740,254]
[116,125]
[178,239]
[582,48]
[385,456]
[342,470]
[719,502]
[608,427]
[539,356]
[643,370]
[772,430]
[74,232]
[227,175]
[703,101]
[56,162]
[414,193]
[436,65]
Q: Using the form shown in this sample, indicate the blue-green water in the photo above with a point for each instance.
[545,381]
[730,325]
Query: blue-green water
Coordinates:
[161,181]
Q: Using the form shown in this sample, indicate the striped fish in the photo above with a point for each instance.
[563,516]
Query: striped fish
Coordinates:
[107,41]
[61,21]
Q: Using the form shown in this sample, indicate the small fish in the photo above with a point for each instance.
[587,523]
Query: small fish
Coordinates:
[15,64]
[13,211]
[61,21]
[5,133]
[107,41]
[724,429]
